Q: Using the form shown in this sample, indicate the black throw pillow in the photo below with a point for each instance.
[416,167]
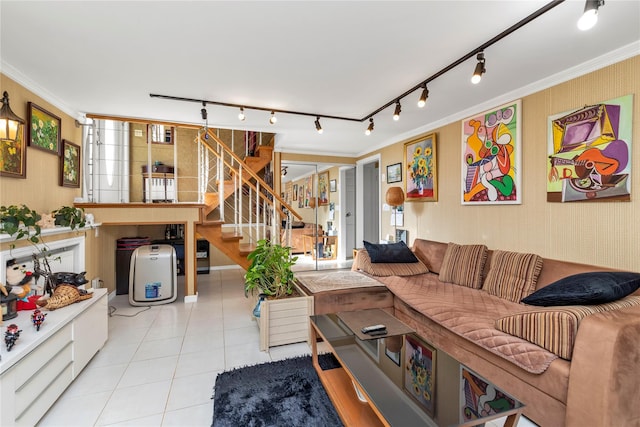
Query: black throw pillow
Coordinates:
[389,252]
[597,287]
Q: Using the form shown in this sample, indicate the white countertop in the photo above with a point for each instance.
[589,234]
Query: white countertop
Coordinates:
[30,338]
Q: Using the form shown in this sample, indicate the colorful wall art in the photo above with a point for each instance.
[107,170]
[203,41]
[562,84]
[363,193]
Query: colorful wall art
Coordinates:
[590,152]
[481,399]
[419,372]
[422,172]
[491,156]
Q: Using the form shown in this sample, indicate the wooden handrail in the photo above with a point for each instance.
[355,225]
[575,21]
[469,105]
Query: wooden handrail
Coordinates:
[248,171]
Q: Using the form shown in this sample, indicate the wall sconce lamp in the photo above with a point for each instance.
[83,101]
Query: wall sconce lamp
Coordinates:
[9,122]
[480,70]
[590,16]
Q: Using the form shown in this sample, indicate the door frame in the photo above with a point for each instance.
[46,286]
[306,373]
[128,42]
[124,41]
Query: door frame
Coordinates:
[360,195]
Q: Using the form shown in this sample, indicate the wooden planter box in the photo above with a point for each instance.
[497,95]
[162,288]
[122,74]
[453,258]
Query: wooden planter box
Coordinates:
[284,321]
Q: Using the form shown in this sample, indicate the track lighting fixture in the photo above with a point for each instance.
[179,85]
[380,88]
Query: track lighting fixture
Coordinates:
[318,127]
[480,70]
[396,113]
[423,97]
[203,112]
[591,9]
[370,128]
[590,16]
[9,122]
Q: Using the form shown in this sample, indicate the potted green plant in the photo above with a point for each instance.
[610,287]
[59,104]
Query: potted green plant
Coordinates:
[19,222]
[270,276]
[69,216]
[270,270]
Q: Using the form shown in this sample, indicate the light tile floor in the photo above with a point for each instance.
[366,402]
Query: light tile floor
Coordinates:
[158,367]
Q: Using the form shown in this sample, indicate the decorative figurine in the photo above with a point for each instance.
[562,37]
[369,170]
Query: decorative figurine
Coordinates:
[11,335]
[37,318]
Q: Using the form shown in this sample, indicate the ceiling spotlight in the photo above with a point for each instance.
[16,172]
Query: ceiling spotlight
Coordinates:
[396,113]
[273,118]
[318,127]
[241,116]
[423,97]
[370,128]
[590,16]
[480,70]
[203,112]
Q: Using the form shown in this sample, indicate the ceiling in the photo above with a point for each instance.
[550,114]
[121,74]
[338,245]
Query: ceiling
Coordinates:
[343,58]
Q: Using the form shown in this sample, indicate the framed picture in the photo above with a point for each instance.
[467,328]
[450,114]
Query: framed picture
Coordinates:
[589,153]
[301,196]
[323,188]
[160,134]
[422,174]
[479,398]
[402,235]
[332,186]
[43,130]
[419,373]
[13,157]
[394,173]
[70,164]
[295,192]
[491,156]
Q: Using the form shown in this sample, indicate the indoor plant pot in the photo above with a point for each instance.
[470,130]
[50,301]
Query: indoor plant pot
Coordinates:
[284,311]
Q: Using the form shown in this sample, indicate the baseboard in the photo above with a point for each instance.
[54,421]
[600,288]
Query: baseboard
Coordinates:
[226,267]
[191,298]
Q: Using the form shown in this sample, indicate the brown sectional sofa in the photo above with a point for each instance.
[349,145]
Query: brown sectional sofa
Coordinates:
[599,386]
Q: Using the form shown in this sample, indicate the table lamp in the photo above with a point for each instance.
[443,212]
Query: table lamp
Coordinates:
[395,198]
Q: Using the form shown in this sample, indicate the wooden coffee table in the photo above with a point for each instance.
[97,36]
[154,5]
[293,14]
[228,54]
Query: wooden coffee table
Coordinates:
[367,370]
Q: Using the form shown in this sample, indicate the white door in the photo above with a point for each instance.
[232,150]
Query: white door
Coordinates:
[349,211]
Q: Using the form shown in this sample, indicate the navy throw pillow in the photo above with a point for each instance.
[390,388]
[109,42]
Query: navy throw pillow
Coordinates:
[389,252]
[597,287]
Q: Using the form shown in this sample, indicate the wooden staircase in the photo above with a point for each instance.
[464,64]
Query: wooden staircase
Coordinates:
[231,243]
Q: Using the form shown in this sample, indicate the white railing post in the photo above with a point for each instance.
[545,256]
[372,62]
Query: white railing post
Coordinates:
[257,211]
[240,196]
[221,197]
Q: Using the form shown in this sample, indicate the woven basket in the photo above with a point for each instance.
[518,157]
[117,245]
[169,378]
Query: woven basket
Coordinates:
[63,295]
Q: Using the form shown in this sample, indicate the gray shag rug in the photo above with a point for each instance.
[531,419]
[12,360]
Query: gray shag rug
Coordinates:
[284,393]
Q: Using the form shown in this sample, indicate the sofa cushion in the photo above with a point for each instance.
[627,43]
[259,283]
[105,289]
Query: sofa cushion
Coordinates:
[596,287]
[556,329]
[390,253]
[463,265]
[512,275]
[381,269]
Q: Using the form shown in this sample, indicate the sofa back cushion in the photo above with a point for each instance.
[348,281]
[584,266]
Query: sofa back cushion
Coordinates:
[431,253]
[512,275]
[363,263]
[556,329]
[463,265]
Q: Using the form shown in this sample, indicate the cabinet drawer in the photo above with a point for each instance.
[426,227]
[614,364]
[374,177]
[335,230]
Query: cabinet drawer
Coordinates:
[43,376]
[43,400]
[41,356]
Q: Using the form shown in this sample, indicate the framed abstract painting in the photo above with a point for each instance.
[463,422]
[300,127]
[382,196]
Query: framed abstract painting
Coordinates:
[590,153]
[491,155]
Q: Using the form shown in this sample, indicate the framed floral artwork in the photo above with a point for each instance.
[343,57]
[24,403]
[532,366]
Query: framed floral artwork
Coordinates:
[419,373]
[13,157]
[43,130]
[491,156]
[422,173]
[323,188]
[70,165]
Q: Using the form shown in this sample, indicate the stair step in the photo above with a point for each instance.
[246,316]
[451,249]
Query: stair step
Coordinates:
[227,237]
[212,223]
[246,248]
